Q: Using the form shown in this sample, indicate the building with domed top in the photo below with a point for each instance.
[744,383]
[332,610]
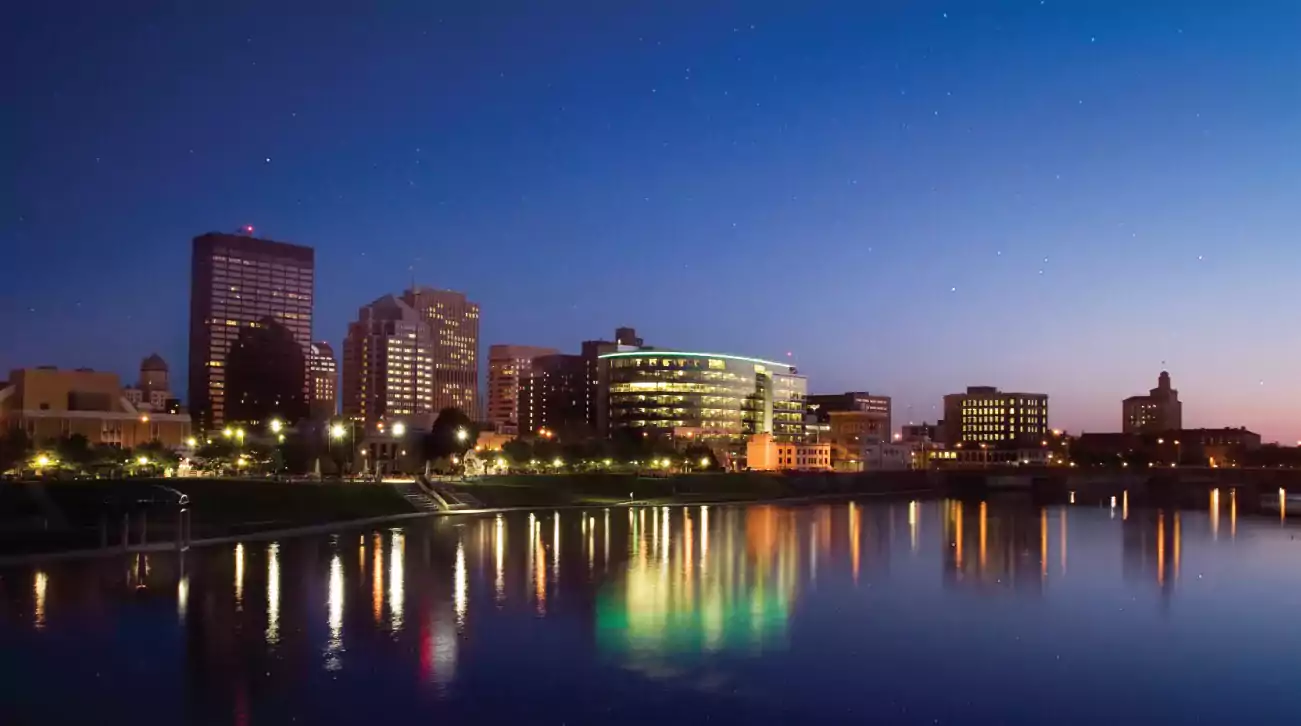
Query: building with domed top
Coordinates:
[153,392]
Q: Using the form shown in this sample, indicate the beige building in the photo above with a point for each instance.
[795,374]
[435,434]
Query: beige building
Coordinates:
[388,363]
[1160,410]
[153,391]
[454,327]
[986,415]
[48,404]
[322,383]
[766,453]
[508,367]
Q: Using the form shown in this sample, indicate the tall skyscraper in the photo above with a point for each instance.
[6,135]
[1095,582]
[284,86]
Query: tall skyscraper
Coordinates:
[508,366]
[323,381]
[388,363]
[986,415]
[454,324]
[237,280]
[1160,410]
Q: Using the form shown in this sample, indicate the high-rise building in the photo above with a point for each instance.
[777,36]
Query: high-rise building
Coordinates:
[704,395]
[454,323]
[875,409]
[1160,410]
[986,415]
[508,366]
[553,397]
[237,280]
[323,381]
[388,363]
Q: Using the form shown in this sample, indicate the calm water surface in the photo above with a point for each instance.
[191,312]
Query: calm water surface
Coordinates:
[926,612]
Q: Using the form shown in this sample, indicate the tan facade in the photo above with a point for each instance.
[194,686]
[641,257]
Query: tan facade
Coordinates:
[50,404]
[454,323]
[766,453]
[1160,410]
[848,432]
[508,366]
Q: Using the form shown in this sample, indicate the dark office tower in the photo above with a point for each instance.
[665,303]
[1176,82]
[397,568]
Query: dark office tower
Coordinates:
[237,281]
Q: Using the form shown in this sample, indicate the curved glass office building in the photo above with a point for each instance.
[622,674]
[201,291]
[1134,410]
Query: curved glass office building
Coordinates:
[703,394]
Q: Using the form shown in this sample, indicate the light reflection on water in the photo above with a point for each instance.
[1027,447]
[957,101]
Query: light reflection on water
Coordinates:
[795,612]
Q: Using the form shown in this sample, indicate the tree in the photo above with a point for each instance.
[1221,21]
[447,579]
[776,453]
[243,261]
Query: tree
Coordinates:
[15,449]
[452,434]
[519,452]
[75,452]
[265,374]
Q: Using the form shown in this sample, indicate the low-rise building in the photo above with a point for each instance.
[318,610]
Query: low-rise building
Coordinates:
[999,419]
[764,452]
[49,404]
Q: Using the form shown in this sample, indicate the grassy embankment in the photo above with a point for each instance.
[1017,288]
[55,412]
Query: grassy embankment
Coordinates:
[71,515]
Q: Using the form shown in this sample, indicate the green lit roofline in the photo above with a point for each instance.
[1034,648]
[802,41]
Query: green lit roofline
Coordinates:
[671,353]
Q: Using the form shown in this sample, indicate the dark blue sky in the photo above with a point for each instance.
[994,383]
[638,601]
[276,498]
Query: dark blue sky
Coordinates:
[909,197]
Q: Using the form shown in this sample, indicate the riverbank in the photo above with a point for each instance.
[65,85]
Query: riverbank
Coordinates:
[88,516]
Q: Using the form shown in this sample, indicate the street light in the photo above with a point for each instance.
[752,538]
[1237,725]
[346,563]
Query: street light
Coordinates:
[462,434]
[337,431]
[399,428]
[228,432]
[704,462]
[143,460]
[191,442]
[277,425]
[558,462]
[42,461]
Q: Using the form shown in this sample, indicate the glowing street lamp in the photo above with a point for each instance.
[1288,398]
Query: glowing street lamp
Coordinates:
[462,434]
[43,461]
[228,432]
[558,462]
[143,461]
[337,431]
[191,442]
[399,429]
[277,425]
[704,462]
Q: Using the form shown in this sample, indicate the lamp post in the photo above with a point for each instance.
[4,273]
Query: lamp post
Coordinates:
[337,432]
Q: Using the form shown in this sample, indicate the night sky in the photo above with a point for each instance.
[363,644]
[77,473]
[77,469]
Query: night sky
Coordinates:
[908,197]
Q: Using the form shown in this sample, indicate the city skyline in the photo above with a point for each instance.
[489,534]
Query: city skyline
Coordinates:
[1042,197]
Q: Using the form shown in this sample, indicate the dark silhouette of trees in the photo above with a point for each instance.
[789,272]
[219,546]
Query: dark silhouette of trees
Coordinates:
[15,449]
[266,375]
[452,434]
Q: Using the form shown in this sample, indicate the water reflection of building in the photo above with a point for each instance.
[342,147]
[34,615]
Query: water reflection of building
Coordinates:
[997,546]
[1152,546]
[703,579]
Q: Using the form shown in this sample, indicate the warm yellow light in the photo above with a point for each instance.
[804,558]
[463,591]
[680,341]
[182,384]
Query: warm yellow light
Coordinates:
[1160,441]
[558,462]
[399,428]
[228,432]
[42,460]
[241,462]
[142,460]
[191,442]
[337,431]
[277,425]
[704,461]
[608,462]
[501,462]
[144,419]
[462,434]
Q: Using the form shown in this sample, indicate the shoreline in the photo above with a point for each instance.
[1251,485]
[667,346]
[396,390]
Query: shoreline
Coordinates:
[353,524]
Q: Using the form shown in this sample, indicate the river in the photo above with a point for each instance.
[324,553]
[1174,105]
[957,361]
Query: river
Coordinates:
[886,612]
